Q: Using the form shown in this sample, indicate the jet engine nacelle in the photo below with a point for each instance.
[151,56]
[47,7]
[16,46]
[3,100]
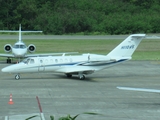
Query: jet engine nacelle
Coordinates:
[7,48]
[31,48]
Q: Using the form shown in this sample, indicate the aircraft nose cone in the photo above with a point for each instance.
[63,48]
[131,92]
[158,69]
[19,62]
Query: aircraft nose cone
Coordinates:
[4,69]
[7,69]
[10,69]
[19,54]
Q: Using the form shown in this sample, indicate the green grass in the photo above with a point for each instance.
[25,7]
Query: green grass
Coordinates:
[147,50]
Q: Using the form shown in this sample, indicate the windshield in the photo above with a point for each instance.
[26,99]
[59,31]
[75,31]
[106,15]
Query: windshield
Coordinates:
[26,61]
[19,46]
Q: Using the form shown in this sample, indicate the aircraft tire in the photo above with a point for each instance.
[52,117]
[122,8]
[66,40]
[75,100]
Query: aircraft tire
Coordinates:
[69,75]
[8,60]
[17,77]
[82,77]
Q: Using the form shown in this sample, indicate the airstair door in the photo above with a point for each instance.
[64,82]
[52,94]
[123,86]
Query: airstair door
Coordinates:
[41,65]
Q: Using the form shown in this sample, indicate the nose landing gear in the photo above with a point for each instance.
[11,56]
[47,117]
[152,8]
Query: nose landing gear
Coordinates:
[82,76]
[17,77]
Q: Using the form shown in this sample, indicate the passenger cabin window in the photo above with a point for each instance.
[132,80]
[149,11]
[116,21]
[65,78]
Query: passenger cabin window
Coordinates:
[70,59]
[56,60]
[41,61]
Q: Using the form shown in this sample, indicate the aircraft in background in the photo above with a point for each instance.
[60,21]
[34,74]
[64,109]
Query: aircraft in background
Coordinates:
[80,65]
[139,89]
[19,49]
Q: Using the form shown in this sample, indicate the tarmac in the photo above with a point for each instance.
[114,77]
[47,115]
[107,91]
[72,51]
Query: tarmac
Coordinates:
[60,96]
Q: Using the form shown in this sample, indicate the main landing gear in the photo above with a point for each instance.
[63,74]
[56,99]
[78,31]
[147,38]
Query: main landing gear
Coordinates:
[81,76]
[69,75]
[8,60]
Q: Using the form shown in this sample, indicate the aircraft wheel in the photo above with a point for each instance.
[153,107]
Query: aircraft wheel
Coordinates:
[8,60]
[82,77]
[17,77]
[69,75]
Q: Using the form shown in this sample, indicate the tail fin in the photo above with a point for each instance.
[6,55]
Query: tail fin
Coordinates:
[127,47]
[20,32]
[20,38]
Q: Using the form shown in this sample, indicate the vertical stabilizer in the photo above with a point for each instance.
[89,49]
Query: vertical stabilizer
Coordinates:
[20,36]
[127,47]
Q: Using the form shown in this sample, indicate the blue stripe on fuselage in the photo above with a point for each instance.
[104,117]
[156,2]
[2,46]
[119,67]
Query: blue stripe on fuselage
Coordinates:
[104,64]
[80,64]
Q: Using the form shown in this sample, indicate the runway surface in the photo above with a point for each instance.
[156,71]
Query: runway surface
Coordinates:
[60,96]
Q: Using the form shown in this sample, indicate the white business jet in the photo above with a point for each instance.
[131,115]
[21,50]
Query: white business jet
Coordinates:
[80,65]
[19,49]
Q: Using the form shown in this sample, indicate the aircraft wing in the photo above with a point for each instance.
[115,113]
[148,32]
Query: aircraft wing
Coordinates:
[38,55]
[7,55]
[139,89]
[49,54]
[76,69]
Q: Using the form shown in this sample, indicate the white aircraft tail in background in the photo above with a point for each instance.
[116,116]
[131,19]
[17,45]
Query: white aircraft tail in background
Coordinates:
[19,49]
[80,65]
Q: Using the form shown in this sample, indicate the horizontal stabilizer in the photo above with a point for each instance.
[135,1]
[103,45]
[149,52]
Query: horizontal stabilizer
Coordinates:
[17,31]
[120,58]
[7,55]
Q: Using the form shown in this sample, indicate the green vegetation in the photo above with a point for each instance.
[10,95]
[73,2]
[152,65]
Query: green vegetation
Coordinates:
[81,46]
[68,117]
[147,50]
[81,16]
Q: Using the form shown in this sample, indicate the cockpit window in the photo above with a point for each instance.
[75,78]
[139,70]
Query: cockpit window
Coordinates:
[26,61]
[19,46]
[16,46]
[22,46]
